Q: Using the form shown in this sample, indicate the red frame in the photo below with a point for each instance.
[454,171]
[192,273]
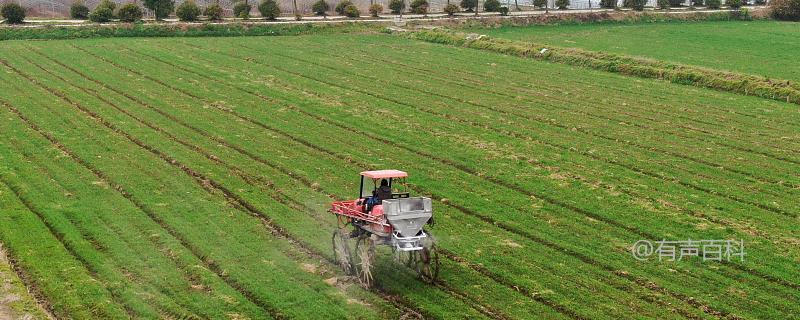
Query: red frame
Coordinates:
[351,209]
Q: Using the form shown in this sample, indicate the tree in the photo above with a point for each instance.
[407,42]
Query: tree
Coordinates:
[469,5]
[375,9]
[269,9]
[130,13]
[188,11]
[491,5]
[637,5]
[539,3]
[13,13]
[340,7]
[242,10]
[78,10]
[320,7]
[213,12]
[419,6]
[101,14]
[351,11]
[608,4]
[785,9]
[451,9]
[106,4]
[397,6]
[161,8]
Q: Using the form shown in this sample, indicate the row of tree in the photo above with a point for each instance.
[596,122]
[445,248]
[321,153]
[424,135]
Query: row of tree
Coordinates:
[107,10]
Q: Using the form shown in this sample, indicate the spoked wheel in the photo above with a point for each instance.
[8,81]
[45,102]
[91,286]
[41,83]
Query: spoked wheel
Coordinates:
[427,262]
[365,258]
[341,251]
[407,258]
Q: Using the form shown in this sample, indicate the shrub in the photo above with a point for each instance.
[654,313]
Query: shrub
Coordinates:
[130,13]
[269,9]
[539,3]
[451,9]
[608,4]
[503,11]
[213,12]
[161,8]
[713,4]
[785,9]
[734,4]
[107,4]
[351,11]
[397,6]
[341,5]
[676,3]
[697,2]
[562,4]
[101,14]
[320,7]
[637,5]
[78,10]
[419,6]
[469,5]
[664,4]
[375,9]
[13,13]
[188,11]
[491,5]
[242,10]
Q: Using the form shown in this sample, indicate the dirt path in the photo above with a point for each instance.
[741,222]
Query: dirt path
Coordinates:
[15,301]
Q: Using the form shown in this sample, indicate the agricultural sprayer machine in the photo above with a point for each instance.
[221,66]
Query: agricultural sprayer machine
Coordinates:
[384,214]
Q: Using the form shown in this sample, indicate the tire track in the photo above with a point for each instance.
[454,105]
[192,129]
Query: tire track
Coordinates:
[308,144]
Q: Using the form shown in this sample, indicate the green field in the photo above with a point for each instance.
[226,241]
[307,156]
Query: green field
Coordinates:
[761,47]
[189,178]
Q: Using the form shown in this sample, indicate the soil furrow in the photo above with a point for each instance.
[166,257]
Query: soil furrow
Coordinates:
[60,236]
[547,122]
[308,144]
[486,88]
[120,189]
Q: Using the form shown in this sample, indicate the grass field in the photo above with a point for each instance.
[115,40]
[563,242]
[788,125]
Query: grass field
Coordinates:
[189,178]
[761,47]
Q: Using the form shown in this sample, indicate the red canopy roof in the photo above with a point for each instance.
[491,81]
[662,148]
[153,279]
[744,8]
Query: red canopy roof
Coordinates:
[382,174]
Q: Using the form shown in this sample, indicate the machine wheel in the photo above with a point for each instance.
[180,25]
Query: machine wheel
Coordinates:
[407,258]
[427,262]
[365,258]
[341,251]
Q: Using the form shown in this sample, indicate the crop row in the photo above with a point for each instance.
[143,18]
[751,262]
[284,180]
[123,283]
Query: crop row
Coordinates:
[262,160]
[737,174]
[260,278]
[309,228]
[703,114]
[220,92]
